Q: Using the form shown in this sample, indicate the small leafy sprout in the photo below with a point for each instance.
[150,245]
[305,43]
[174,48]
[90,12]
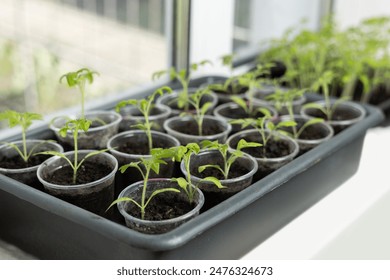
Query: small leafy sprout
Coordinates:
[253,83]
[145,166]
[227,60]
[75,126]
[264,125]
[200,110]
[186,183]
[79,79]
[24,120]
[145,106]
[323,84]
[229,156]
[184,78]
[286,99]
[296,133]
[231,84]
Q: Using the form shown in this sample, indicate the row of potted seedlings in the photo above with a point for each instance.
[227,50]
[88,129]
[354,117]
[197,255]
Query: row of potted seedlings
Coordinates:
[358,58]
[163,159]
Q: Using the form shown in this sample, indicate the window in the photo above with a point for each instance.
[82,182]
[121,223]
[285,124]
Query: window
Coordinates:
[124,40]
[127,40]
[258,20]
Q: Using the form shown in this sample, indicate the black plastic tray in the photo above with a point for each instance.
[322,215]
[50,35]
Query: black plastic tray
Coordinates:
[49,228]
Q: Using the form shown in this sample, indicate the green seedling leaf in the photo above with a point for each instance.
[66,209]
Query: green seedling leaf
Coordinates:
[94,153]
[155,165]
[204,167]
[271,126]
[124,199]
[240,102]
[314,121]
[158,74]
[227,60]
[157,192]
[266,112]
[244,144]
[287,124]
[123,168]
[24,120]
[215,181]
[181,182]
[314,106]
[139,126]
[145,106]
[79,79]
[205,108]
[193,148]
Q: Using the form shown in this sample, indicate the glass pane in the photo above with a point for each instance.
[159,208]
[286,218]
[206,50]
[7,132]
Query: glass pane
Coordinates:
[123,40]
[258,20]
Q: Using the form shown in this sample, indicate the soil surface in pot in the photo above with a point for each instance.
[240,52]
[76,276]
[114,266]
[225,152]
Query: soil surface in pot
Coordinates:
[88,172]
[309,133]
[338,115]
[274,148]
[96,202]
[164,206]
[17,162]
[230,90]
[153,112]
[191,128]
[239,113]
[235,171]
[173,104]
[141,146]
[97,122]
[212,198]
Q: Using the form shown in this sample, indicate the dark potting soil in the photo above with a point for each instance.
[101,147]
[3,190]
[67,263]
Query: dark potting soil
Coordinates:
[153,112]
[239,113]
[97,122]
[17,162]
[309,133]
[274,148]
[338,115]
[164,206]
[140,147]
[191,128]
[312,133]
[88,172]
[96,202]
[231,91]
[235,171]
[173,104]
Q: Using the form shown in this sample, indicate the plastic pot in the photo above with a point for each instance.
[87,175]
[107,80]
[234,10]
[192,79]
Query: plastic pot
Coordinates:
[131,116]
[354,112]
[96,137]
[170,100]
[177,127]
[260,96]
[94,196]
[26,175]
[323,130]
[231,111]
[247,165]
[224,96]
[156,227]
[266,165]
[160,140]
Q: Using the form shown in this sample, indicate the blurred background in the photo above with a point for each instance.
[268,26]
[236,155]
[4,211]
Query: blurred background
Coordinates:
[127,40]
